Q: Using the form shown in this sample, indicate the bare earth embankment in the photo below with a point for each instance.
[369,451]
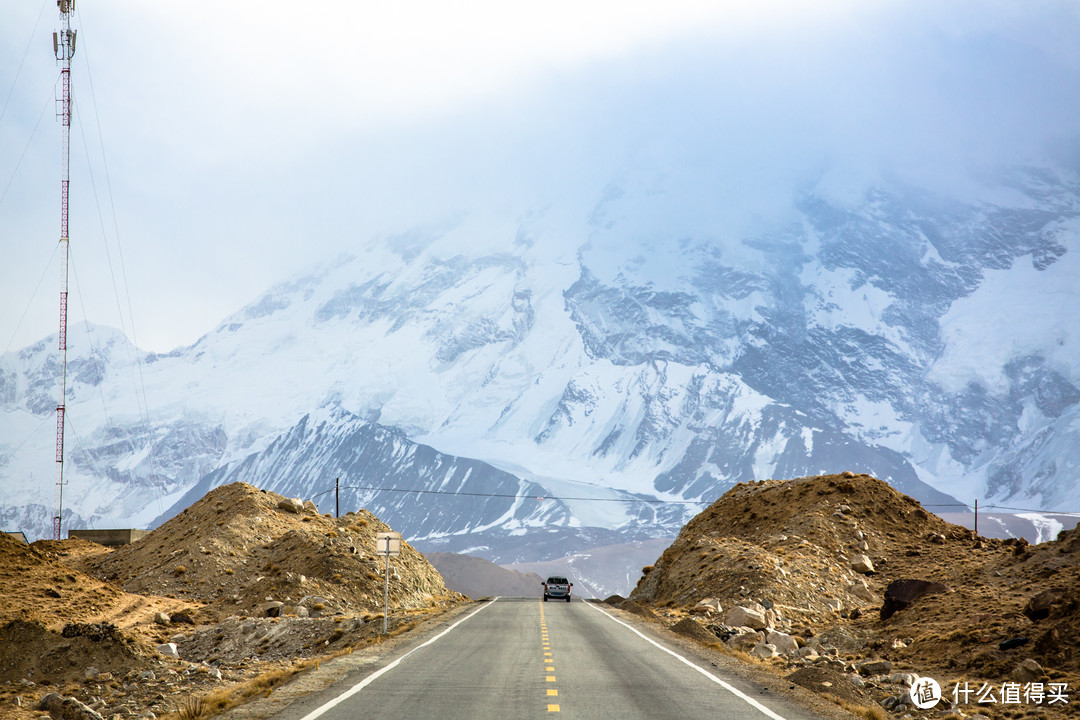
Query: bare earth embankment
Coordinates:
[223,602]
[847,587]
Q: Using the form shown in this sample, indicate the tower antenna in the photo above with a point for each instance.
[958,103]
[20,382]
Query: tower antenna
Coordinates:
[63,49]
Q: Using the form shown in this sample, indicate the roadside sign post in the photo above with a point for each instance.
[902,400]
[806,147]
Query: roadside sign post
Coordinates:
[387,544]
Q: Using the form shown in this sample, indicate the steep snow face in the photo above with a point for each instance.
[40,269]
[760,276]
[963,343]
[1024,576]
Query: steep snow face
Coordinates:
[438,501]
[922,339]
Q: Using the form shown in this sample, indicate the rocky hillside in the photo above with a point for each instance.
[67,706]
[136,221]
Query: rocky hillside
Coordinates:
[243,582]
[825,576]
[238,545]
[477,577]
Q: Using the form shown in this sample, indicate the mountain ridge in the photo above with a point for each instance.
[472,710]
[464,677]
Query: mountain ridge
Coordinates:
[662,367]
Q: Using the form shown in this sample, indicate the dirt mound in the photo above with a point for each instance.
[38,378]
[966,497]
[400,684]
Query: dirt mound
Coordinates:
[693,629]
[813,557]
[798,544]
[828,681]
[241,584]
[66,656]
[240,547]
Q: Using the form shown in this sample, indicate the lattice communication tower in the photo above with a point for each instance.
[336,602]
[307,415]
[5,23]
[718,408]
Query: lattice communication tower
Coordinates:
[63,49]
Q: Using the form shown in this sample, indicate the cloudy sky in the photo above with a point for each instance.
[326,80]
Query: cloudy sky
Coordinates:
[219,145]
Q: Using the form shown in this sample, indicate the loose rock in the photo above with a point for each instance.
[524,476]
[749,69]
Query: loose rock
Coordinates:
[740,616]
[861,564]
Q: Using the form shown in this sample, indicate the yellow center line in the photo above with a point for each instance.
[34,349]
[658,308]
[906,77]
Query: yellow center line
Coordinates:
[549,662]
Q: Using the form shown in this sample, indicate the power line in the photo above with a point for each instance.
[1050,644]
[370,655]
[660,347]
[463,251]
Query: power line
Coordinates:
[1006,507]
[30,42]
[629,500]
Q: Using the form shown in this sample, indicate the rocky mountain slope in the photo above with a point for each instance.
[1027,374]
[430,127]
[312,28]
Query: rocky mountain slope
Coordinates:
[823,563]
[478,578]
[641,350]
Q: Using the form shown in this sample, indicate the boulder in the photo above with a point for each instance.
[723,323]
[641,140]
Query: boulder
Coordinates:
[862,592]
[271,608]
[168,650]
[161,618]
[66,708]
[1040,606]
[1049,642]
[740,616]
[874,666]
[784,643]
[764,651]
[861,564]
[311,507]
[1013,642]
[293,505]
[905,679]
[1028,671]
[744,639]
[900,594]
[708,606]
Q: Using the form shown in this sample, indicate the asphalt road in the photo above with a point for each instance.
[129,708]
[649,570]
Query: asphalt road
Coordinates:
[523,658]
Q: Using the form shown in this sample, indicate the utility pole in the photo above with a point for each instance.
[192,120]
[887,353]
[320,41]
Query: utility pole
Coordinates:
[63,49]
[337,498]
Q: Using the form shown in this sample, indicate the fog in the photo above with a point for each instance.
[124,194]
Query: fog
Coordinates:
[226,148]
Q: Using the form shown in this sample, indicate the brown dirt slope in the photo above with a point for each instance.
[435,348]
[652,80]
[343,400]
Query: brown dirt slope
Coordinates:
[237,547]
[793,541]
[239,585]
[38,585]
[791,545]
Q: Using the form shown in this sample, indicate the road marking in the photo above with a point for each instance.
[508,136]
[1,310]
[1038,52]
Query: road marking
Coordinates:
[549,661]
[382,671]
[731,689]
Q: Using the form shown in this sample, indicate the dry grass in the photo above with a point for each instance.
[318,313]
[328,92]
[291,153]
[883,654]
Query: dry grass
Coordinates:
[867,712]
[191,708]
[218,701]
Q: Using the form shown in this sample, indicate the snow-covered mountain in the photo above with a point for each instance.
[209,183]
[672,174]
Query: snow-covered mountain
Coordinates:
[644,350]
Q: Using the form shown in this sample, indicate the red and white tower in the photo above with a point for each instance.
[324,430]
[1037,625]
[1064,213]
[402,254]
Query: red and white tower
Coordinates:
[63,49]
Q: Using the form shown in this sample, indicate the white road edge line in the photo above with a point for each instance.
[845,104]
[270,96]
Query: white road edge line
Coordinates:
[382,671]
[731,689]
